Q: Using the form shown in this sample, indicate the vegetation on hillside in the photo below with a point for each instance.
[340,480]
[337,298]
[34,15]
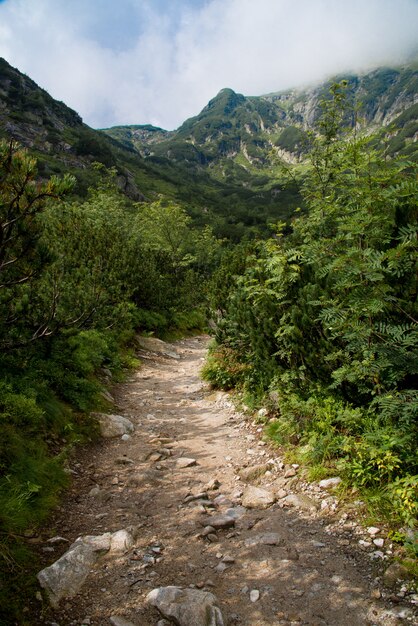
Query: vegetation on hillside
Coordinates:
[322,324]
[77,279]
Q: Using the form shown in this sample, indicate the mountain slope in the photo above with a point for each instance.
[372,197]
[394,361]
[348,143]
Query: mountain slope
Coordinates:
[223,165]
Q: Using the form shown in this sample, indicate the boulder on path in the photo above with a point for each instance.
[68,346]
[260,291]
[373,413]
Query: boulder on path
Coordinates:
[151,344]
[64,578]
[256,498]
[187,607]
[113,425]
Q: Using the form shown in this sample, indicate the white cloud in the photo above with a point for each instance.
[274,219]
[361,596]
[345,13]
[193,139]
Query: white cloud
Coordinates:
[161,61]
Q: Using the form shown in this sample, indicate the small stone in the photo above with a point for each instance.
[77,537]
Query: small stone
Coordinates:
[155,457]
[220,521]
[254,595]
[379,542]
[213,485]
[184,462]
[229,560]
[58,539]
[207,531]
[212,538]
[290,472]
[125,437]
[372,530]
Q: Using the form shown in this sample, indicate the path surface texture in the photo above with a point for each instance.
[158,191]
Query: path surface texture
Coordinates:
[191,519]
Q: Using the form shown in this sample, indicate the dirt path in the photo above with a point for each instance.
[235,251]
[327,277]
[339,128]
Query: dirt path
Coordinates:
[315,573]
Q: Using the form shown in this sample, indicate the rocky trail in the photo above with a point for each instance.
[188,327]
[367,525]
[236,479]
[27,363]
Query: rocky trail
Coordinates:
[192,498]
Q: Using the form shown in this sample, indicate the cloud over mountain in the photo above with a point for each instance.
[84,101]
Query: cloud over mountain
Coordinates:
[158,61]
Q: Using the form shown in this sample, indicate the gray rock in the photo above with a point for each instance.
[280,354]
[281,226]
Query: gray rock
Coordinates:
[254,595]
[113,425]
[300,501]
[65,577]
[329,483]
[121,541]
[187,607]
[255,471]
[256,498]
[219,521]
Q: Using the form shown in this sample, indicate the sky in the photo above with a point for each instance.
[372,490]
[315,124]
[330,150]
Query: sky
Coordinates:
[160,61]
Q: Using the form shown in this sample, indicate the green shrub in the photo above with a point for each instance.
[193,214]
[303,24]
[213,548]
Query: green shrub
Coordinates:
[223,369]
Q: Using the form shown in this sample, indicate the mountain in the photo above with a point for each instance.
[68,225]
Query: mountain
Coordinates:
[250,130]
[223,165]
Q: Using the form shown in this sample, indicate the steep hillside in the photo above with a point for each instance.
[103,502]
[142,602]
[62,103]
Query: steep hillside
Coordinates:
[234,206]
[56,134]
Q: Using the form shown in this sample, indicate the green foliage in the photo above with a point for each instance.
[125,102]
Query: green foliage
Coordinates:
[292,139]
[222,368]
[325,316]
